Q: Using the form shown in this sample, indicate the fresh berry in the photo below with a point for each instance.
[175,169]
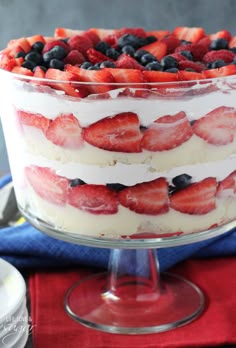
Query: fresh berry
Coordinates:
[159,76]
[178,56]
[187,54]
[95,56]
[171,42]
[118,133]
[154,66]
[112,53]
[47,184]
[39,72]
[28,65]
[181,181]
[94,199]
[127,75]
[22,71]
[149,198]
[128,50]
[139,53]
[217,127]
[185,75]
[159,34]
[129,39]
[232,42]
[158,49]
[34,57]
[102,46]
[74,57]
[189,34]
[147,58]
[80,43]
[217,64]
[227,187]
[226,55]
[56,64]
[138,32]
[34,120]
[220,72]
[169,62]
[197,50]
[167,132]
[35,42]
[219,44]
[49,45]
[222,34]
[197,198]
[126,62]
[107,64]
[37,47]
[65,131]
[184,64]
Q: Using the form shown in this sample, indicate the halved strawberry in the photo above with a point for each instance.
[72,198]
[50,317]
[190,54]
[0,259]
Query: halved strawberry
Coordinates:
[125,61]
[9,63]
[178,56]
[22,71]
[102,33]
[38,72]
[80,43]
[149,198]
[226,55]
[74,57]
[159,76]
[158,49]
[127,76]
[167,132]
[184,64]
[172,42]
[220,72]
[22,43]
[95,56]
[49,45]
[47,184]
[94,199]
[159,34]
[66,32]
[65,131]
[227,187]
[139,32]
[33,120]
[100,80]
[35,38]
[222,34]
[197,199]
[232,42]
[117,133]
[217,127]
[189,34]
[92,35]
[189,75]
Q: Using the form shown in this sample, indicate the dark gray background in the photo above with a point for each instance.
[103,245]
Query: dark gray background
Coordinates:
[28,17]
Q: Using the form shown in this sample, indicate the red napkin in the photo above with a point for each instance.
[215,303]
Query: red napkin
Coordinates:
[216,277]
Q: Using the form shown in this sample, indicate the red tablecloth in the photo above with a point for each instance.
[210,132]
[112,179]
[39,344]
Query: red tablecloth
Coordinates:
[217,325]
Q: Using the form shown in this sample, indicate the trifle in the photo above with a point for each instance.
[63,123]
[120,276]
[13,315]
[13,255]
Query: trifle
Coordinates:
[122,133]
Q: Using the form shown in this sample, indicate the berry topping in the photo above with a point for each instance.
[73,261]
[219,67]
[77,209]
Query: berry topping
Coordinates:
[181,181]
[74,57]
[189,34]
[197,198]
[117,133]
[95,56]
[219,44]
[220,72]
[169,62]
[158,49]
[167,132]
[80,43]
[149,198]
[95,199]
[126,62]
[225,55]
[197,67]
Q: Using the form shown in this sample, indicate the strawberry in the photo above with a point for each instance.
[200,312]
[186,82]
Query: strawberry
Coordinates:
[205,41]
[49,45]
[125,61]
[159,76]
[9,63]
[22,43]
[22,71]
[217,127]
[102,79]
[117,133]
[47,184]
[232,42]
[159,34]
[220,72]
[95,56]
[92,36]
[167,132]
[64,32]
[38,72]
[158,49]
[171,42]
[111,39]
[139,32]
[196,199]
[80,43]
[127,75]
[94,199]
[226,55]
[149,198]
[33,120]
[184,64]
[222,34]
[227,187]
[65,131]
[102,33]
[197,50]
[178,56]
[74,57]
[189,76]
[189,34]
[35,38]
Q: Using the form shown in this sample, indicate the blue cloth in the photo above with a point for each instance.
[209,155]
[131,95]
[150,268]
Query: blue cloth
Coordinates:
[26,247]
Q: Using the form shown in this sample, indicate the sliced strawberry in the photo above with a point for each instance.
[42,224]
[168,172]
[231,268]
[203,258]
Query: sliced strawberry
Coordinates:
[178,56]
[33,120]
[36,38]
[184,64]
[38,72]
[232,42]
[74,57]
[217,127]
[159,76]
[149,198]
[226,55]
[189,34]
[111,39]
[127,76]
[10,63]
[158,49]
[66,32]
[22,71]
[189,76]
[196,199]
[47,184]
[222,34]
[80,43]
[171,42]
[65,131]
[49,45]
[139,32]
[159,34]
[205,41]
[125,61]
[102,79]
[93,36]
[118,133]
[102,33]
[198,51]
[95,56]
[22,42]
[220,72]
[167,132]
[227,187]
[94,199]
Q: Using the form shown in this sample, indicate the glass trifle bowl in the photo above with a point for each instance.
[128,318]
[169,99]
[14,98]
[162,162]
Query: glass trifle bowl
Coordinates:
[131,167]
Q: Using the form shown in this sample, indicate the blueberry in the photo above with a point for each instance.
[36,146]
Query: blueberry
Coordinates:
[34,57]
[138,54]
[94,67]
[38,46]
[20,54]
[86,65]
[102,46]
[154,66]
[219,44]
[56,52]
[169,62]
[29,65]
[150,39]
[209,65]
[65,40]
[172,70]
[182,181]
[147,58]
[217,64]
[76,182]
[186,54]
[185,42]
[116,187]
[112,53]
[233,49]
[56,64]
[107,64]
[128,50]
[129,39]
[192,122]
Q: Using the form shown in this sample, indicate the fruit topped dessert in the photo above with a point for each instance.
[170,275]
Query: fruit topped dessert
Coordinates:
[122,132]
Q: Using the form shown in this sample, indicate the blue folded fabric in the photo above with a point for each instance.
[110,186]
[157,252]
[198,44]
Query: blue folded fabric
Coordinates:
[26,247]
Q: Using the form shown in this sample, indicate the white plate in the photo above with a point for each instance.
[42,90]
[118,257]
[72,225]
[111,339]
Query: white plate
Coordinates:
[12,290]
[10,321]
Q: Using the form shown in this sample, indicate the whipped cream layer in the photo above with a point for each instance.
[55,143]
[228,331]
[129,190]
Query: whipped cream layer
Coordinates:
[52,103]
